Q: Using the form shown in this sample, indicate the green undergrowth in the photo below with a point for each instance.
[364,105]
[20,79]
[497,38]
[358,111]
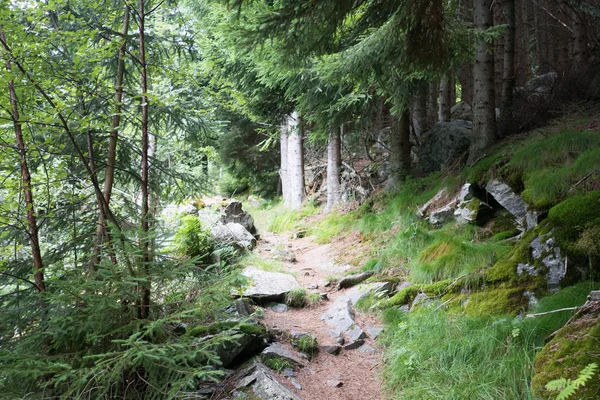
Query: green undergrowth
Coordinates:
[441,353]
[300,297]
[286,220]
[253,260]
[434,354]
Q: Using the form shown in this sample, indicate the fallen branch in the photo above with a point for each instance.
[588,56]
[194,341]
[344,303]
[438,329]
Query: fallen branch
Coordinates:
[553,311]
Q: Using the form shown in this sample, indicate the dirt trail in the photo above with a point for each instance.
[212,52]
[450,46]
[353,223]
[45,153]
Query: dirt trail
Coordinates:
[358,371]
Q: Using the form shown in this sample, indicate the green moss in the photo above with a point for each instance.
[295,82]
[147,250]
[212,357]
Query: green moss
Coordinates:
[572,217]
[217,327]
[308,345]
[408,294]
[499,301]
[573,347]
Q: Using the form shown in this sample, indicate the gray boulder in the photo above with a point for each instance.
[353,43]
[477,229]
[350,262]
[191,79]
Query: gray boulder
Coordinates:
[538,88]
[341,317]
[462,111]
[233,234]
[242,346]
[444,144]
[267,286]
[234,213]
[264,384]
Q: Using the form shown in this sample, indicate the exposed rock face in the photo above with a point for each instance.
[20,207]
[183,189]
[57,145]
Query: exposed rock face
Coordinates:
[233,234]
[276,350]
[462,111]
[444,144]
[545,250]
[240,349]
[268,286]
[264,383]
[572,348]
[375,288]
[512,202]
[233,212]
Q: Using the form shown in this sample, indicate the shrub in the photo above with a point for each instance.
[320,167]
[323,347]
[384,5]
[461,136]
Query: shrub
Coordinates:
[193,240]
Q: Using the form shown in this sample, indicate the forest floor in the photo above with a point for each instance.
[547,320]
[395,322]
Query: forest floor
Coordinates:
[357,370]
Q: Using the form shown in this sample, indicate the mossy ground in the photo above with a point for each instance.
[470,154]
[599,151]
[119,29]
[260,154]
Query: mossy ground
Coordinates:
[574,346]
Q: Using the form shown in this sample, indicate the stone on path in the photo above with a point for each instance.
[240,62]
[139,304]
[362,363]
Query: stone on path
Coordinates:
[367,349]
[264,384]
[361,291]
[266,285]
[341,317]
[234,234]
[277,351]
[334,383]
[279,307]
[374,331]
[332,349]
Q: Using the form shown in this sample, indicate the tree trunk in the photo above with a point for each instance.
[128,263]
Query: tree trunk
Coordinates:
[109,176]
[484,107]
[465,77]
[283,170]
[400,161]
[508,79]
[498,53]
[334,168]
[445,100]
[526,59]
[143,309]
[33,233]
[432,102]
[580,52]
[419,111]
[296,161]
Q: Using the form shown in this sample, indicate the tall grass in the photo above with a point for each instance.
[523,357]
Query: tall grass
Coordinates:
[432,354]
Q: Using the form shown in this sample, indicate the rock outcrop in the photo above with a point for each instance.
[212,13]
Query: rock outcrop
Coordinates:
[444,145]
[263,383]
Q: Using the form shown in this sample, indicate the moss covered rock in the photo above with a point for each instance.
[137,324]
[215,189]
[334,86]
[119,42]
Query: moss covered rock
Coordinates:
[573,347]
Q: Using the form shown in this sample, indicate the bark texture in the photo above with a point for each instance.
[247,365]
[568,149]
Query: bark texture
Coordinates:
[508,80]
[484,106]
[445,100]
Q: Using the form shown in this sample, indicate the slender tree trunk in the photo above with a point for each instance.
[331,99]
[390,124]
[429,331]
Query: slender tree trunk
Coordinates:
[33,233]
[143,309]
[283,170]
[498,52]
[111,159]
[296,161]
[445,100]
[334,168]
[484,107]
[508,83]
[405,145]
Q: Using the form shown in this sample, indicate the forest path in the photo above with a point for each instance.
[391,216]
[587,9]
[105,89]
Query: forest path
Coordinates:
[356,369]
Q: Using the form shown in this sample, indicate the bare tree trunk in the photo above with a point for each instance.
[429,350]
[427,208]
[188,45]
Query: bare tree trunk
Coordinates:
[109,175]
[580,52]
[283,170]
[484,107]
[33,233]
[334,168]
[498,53]
[432,102]
[508,83]
[400,161]
[296,161]
[419,111]
[445,100]
[465,77]
[526,59]
[143,309]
